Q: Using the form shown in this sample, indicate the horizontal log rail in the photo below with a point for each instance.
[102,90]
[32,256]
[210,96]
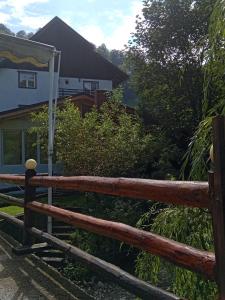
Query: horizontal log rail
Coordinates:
[192,194]
[124,279]
[12,200]
[202,262]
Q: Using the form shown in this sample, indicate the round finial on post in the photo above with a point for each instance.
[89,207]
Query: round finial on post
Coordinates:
[211,155]
[30,164]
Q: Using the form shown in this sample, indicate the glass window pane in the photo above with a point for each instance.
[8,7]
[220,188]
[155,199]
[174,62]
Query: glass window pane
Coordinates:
[12,147]
[27,80]
[87,85]
[30,140]
[94,85]
[31,84]
[43,154]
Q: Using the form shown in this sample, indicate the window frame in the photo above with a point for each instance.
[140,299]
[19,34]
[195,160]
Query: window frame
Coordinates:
[91,82]
[4,130]
[23,132]
[27,87]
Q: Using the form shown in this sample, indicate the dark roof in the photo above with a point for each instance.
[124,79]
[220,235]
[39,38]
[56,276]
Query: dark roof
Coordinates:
[24,110]
[79,58]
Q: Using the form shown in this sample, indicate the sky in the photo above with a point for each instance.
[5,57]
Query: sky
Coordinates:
[99,21]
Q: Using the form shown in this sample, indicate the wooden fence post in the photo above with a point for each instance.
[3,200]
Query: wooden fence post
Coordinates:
[30,195]
[217,193]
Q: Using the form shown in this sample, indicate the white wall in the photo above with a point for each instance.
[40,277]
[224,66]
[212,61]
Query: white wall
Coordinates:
[77,83]
[11,95]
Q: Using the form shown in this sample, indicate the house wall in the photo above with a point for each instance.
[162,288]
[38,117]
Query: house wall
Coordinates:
[11,96]
[77,83]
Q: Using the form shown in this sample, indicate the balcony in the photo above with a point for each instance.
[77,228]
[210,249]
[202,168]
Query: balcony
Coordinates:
[69,92]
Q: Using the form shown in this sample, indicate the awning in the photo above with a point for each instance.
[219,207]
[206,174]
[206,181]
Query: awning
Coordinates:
[20,50]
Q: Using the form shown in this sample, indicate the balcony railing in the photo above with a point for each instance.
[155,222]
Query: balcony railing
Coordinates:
[69,92]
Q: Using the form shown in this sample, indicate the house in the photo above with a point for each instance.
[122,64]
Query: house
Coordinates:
[82,69]
[84,74]
[17,143]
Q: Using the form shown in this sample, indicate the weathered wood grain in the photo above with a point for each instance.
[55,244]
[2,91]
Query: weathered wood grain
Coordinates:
[188,193]
[140,288]
[202,262]
[217,193]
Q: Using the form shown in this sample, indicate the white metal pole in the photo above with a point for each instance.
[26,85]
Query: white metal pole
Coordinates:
[56,93]
[50,132]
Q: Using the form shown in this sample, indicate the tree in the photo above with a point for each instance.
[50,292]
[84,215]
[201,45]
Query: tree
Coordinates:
[213,103]
[108,142]
[103,51]
[21,33]
[175,60]
[6,30]
[166,57]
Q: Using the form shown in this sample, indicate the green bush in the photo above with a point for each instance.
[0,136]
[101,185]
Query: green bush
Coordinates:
[109,142]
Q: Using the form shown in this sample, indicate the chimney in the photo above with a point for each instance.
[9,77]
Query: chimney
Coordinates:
[100,97]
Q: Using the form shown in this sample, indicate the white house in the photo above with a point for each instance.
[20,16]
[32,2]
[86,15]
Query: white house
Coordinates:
[82,69]
[24,88]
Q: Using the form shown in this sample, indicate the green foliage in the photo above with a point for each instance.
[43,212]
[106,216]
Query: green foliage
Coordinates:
[190,226]
[108,142]
[201,55]
[114,56]
[197,155]
[76,271]
[166,59]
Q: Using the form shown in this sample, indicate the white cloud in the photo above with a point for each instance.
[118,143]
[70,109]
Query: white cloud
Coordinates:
[19,9]
[93,33]
[123,30]
[4,18]
[34,22]
[122,25]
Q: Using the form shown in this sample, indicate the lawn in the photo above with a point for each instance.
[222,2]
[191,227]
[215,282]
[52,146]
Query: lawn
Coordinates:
[11,210]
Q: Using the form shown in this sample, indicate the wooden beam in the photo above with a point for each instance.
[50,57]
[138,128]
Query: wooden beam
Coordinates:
[196,260]
[12,200]
[217,189]
[29,195]
[202,262]
[35,248]
[138,287]
[192,194]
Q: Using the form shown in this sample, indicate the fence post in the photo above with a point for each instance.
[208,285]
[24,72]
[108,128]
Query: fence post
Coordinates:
[217,195]
[30,194]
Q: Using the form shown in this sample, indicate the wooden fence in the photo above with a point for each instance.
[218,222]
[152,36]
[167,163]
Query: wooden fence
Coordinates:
[209,195]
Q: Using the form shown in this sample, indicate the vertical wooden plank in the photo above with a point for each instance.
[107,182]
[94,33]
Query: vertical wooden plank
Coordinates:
[30,195]
[217,190]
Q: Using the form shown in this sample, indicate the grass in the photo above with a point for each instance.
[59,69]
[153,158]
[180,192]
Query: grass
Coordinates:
[12,210]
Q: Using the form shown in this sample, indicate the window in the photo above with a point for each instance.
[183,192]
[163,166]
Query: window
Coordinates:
[27,80]
[30,145]
[20,145]
[90,85]
[12,147]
